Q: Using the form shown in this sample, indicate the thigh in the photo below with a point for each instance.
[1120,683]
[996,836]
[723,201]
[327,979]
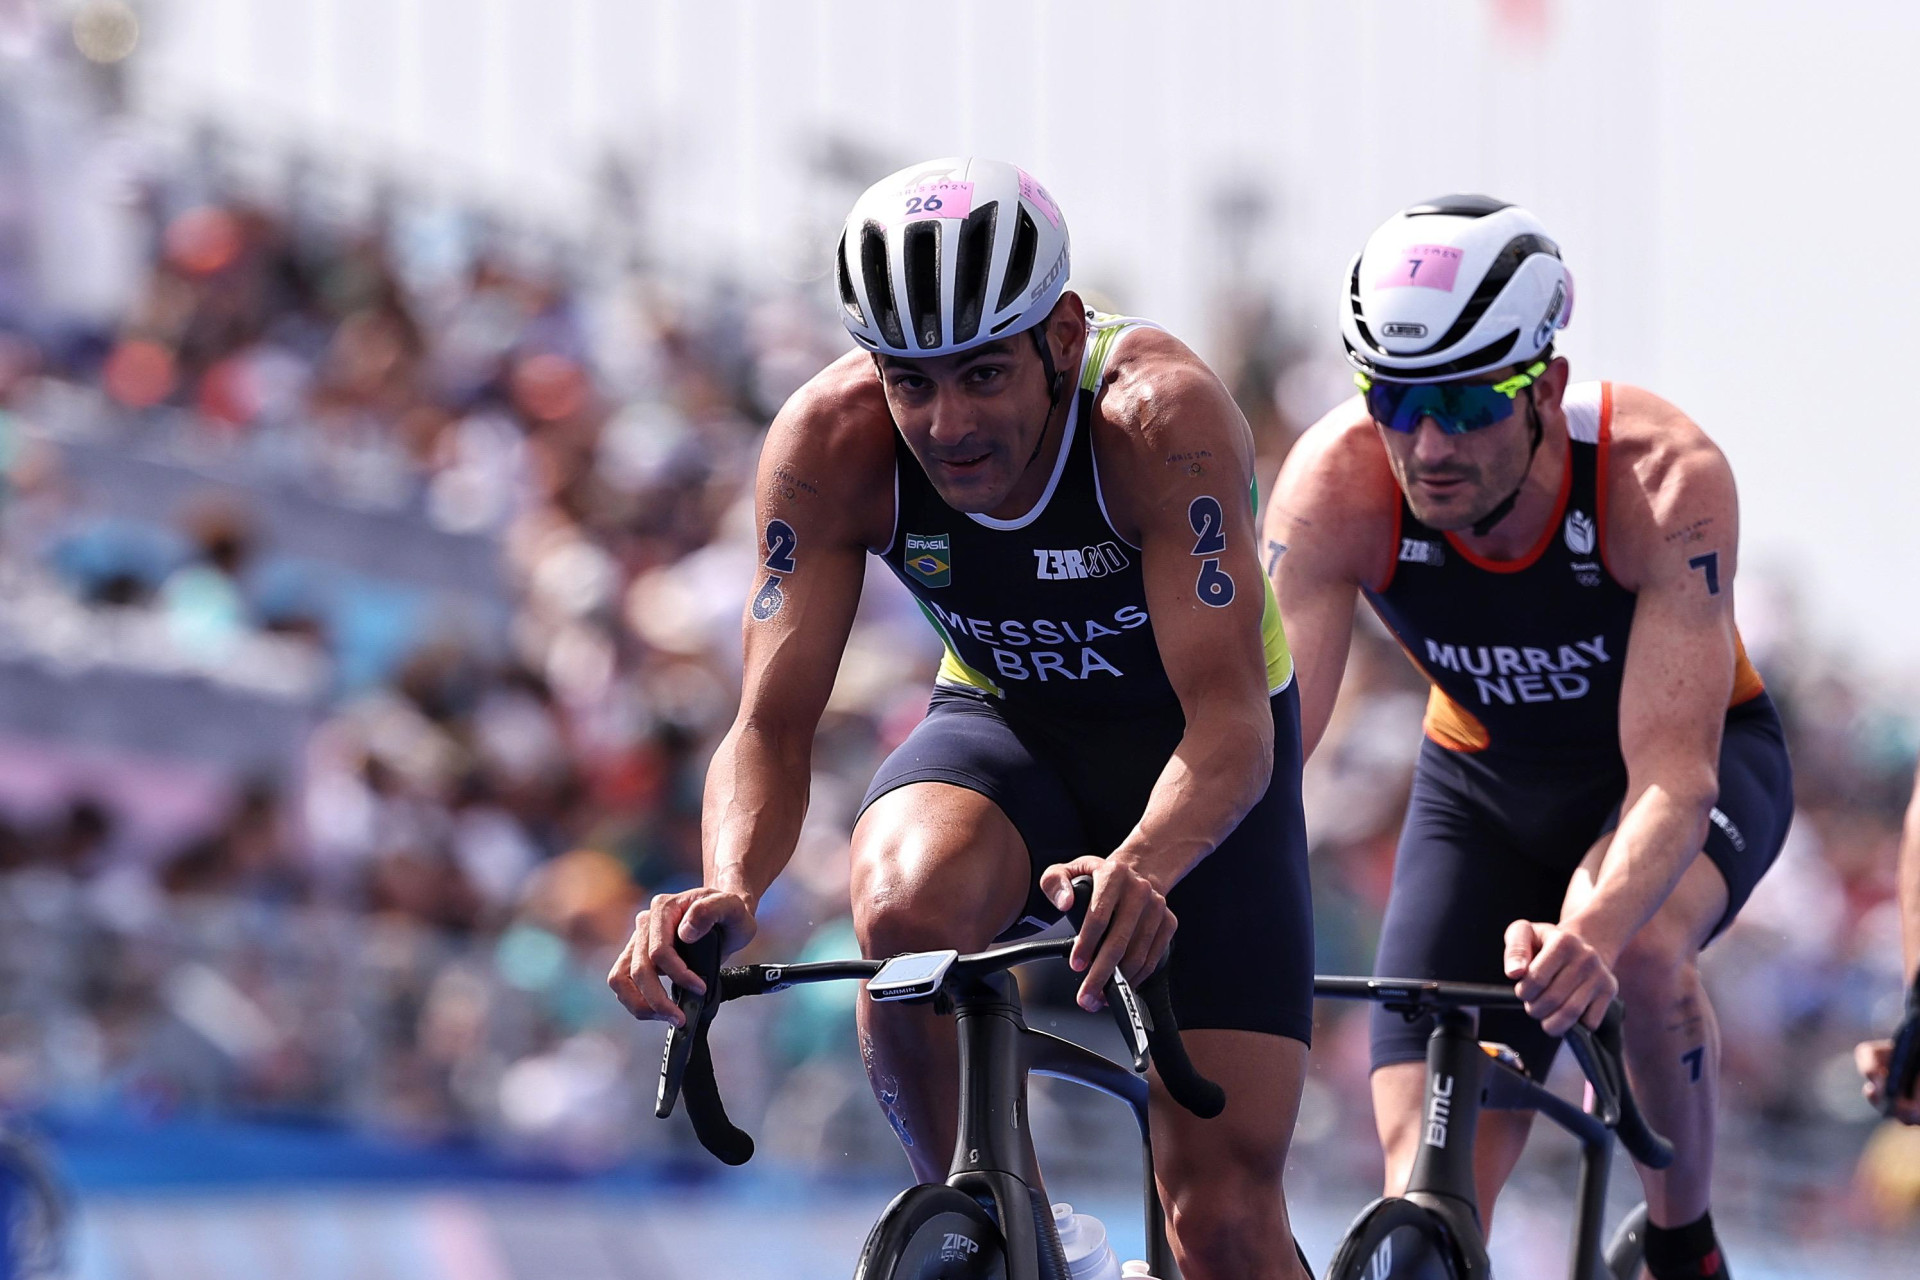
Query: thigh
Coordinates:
[966,809]
[1242,959]
[1754,808]
[935,865]
[1459,879]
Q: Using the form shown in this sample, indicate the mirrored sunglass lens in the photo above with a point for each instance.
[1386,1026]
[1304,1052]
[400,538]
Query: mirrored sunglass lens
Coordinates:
[1470,408]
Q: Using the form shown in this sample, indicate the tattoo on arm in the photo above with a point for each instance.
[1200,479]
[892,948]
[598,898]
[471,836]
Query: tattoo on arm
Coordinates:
[1215,585]
[781,540]
[1274,551]
[770,599]
[1695,532]
[1694,1058]
[1709,564]
[792,486]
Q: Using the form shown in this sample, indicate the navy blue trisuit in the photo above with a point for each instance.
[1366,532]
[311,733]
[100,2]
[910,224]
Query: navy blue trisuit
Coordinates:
[1521,771]
[1052,702]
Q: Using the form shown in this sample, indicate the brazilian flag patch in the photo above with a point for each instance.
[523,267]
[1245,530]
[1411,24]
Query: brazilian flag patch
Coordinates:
[929,558]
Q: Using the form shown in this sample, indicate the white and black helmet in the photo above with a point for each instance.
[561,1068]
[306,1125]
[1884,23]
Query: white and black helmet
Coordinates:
[1457,286]
[950,254]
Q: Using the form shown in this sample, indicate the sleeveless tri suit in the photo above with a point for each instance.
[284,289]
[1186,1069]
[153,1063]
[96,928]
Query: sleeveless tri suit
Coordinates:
[1052,701]
[1521,770]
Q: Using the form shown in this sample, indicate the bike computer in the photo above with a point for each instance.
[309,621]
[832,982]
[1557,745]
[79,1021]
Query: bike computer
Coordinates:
[915,974]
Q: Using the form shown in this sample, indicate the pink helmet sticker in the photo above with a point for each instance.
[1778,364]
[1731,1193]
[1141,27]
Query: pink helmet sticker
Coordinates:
[937,200]
[1032,191]
[1422,266]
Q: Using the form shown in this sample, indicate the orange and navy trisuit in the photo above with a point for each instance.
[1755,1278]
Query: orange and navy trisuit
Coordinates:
[1521,770]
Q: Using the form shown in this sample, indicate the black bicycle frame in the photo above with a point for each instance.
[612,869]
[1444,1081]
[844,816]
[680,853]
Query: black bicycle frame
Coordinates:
[993,1158]
[1462,1080]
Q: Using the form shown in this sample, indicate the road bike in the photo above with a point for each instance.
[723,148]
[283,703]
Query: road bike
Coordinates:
[990,1219]
[1433,1231]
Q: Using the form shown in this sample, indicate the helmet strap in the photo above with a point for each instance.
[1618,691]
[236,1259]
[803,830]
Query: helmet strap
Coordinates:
[1055,378]
[1504,507]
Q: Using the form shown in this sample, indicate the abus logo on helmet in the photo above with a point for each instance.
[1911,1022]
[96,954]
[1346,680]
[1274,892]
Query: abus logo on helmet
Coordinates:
[1403,329]
[1580,533]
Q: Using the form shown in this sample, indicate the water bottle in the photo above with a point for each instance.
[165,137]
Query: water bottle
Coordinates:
[1084,1238]
[1135,1270]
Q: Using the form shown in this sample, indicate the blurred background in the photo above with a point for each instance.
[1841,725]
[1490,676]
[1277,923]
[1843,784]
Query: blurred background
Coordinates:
[381,383]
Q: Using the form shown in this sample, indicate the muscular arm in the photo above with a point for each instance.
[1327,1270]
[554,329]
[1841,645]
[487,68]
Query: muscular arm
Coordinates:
[1176,463]
[1678,545]
[811,499]
[1194,523]
[813,507]
[1327,531]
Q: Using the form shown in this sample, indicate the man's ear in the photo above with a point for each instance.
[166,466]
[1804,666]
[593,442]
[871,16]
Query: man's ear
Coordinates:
[1065,325]
[1554,380]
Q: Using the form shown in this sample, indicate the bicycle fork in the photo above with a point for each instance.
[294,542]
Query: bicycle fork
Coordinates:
[1442,1177]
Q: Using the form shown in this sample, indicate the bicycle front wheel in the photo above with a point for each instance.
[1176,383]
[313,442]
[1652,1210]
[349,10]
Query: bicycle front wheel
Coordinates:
[1397,1240]
[933,1232]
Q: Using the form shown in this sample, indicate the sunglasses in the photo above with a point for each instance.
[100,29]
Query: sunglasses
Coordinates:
[1455,407]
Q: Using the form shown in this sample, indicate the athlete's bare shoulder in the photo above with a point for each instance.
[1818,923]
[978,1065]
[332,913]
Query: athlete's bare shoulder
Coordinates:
[1335,501]
[1669,485]
[1157,391]
[1164,421]
[829,452]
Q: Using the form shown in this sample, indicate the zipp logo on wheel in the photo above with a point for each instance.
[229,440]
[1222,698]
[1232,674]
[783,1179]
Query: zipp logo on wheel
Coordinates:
[956,1246]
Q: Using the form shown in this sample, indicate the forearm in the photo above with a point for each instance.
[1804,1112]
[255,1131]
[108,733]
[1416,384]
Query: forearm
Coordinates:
[1219,770]
[1657,838]
[755,801]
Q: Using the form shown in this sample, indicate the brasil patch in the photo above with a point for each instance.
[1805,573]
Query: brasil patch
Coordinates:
[929,559]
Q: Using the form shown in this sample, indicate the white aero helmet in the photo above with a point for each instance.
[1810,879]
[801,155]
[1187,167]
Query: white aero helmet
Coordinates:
[1457,286]
[948,255]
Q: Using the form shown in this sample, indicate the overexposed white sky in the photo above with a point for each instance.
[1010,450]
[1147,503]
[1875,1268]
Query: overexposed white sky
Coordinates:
[1731,181]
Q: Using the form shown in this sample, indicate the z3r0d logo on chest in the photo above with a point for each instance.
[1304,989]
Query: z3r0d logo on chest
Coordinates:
[1079,562]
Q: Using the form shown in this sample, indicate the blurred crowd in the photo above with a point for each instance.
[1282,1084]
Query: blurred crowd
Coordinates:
[429,536]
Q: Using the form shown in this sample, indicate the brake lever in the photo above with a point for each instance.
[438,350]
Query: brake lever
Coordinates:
[697,1010]
[1122,1002]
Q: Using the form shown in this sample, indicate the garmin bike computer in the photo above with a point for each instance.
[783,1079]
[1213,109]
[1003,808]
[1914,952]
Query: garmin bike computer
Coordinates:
[906,977]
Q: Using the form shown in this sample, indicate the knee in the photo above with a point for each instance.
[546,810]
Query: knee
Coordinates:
[1660,963]
[900,902]
[1229,1223]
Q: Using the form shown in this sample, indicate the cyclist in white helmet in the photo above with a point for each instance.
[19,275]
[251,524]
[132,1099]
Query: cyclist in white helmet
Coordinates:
[1068,497]
[1603,779]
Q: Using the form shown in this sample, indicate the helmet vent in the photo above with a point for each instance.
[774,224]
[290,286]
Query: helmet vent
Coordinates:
[1026,242]
[970,272]
[1458,206]
[873,272]
[848,298]
[1359,314]
[923,280]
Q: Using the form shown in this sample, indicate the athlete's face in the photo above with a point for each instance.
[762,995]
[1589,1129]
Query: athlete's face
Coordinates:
[1451,481]
[975,419]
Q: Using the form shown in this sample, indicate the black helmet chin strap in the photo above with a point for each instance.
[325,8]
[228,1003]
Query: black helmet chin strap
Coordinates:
[1055,378]
[1504,507]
